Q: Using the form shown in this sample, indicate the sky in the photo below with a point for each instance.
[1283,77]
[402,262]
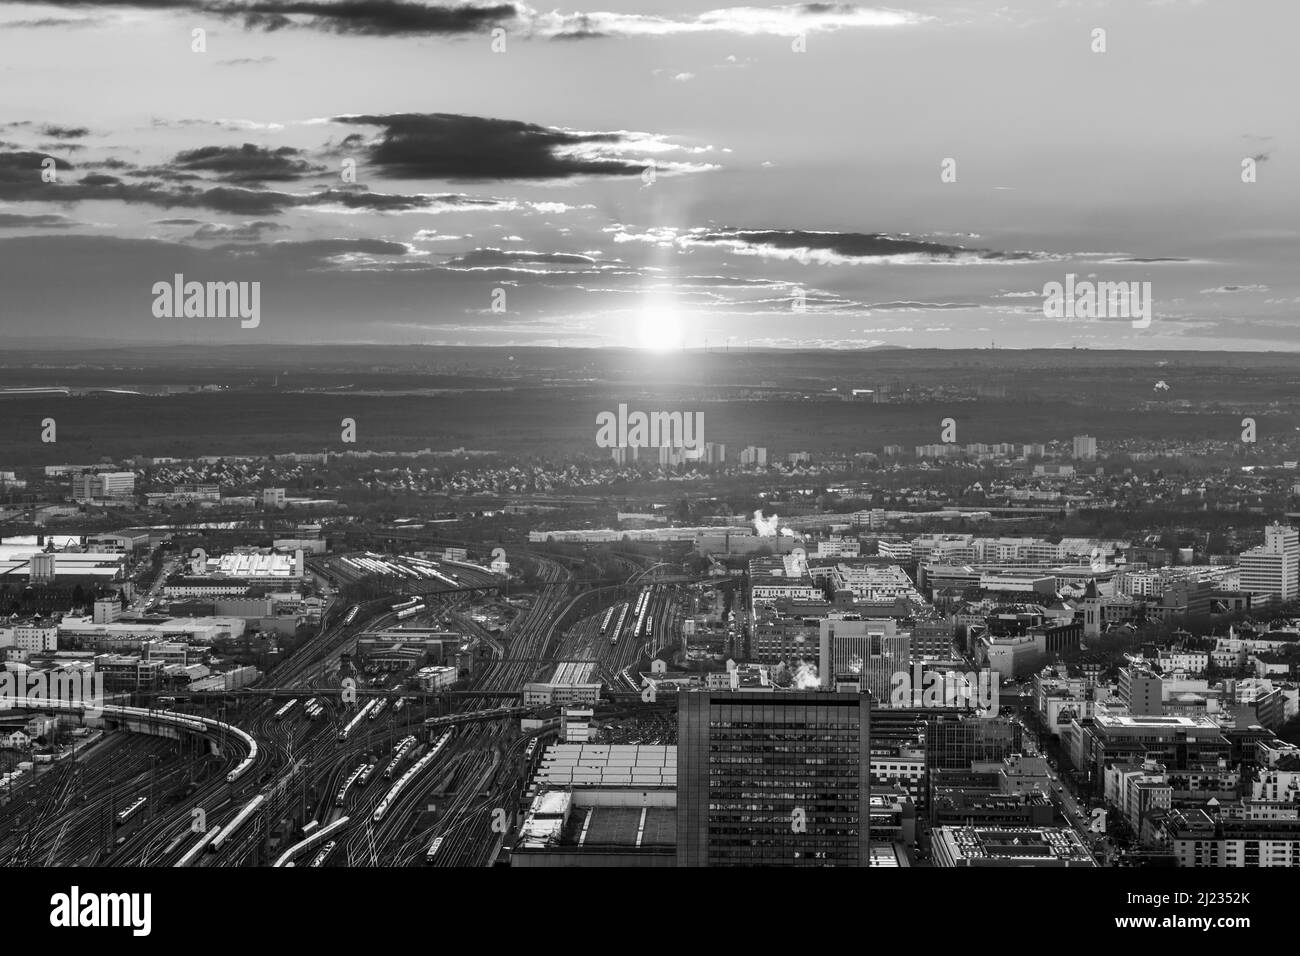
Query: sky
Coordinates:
[656,174]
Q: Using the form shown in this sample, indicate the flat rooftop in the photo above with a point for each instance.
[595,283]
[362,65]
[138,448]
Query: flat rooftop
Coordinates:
[1170,721]
[621,827]
[606,765]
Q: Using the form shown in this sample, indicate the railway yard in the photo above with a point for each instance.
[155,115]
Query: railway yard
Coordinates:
[319,764]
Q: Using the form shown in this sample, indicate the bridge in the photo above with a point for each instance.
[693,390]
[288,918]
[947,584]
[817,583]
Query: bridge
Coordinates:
[475,716]
[160,723]
[302,693]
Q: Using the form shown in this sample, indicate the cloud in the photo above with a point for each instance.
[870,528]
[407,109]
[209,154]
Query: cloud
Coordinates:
[10,220]
[248,231]
[20,182]
[247,163]
[307,252]
[1150,260]
[787,21]
[397,18]
[456,147]
[919,306]
[827,248]
[52,22]
[64,132]
[23,167]
[1226,289]
[518,260]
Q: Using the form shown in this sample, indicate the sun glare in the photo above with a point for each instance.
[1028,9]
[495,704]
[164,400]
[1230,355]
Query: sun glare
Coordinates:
[659,330]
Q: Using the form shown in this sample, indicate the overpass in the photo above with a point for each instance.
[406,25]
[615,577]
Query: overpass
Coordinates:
[161,723]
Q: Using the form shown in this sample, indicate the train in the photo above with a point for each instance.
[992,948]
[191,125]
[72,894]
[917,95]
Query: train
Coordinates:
[350,616]
[347,784]
[433,849]
[360,716]
[247,763]
[240,818]
[324,853]
[377,709]
[313,709]
[404,746]
[403,605]
[131,811]
[395,791]
[474,715]
[410,611]
[284,711]
[622,616]
[641,613]
[604,624]
[366,774]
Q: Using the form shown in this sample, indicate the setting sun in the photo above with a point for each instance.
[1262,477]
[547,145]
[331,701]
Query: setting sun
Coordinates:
[660,330]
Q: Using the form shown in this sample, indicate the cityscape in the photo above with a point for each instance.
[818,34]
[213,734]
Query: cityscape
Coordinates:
[1072,651]
[444,437]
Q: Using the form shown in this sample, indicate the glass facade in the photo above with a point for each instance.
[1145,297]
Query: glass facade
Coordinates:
[772,779]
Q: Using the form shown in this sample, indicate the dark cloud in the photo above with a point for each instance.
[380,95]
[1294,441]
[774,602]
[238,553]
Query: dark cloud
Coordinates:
[490,258]
[370,17]
[20,181]
[399,18]
[452,146]
[248,163]
[245,232]
[1152,259]
[45,221]
[52,22]
[312,251]
[25,166]
[65,132]
[846,246]
[110,163]
[359,17]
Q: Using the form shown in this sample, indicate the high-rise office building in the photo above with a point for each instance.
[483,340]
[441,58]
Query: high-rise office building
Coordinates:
[773,779]
[1272,571]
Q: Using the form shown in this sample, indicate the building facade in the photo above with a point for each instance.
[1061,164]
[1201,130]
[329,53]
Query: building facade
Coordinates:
[773,779]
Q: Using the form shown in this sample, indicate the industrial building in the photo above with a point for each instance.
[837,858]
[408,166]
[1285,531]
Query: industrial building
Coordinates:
[572,683]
